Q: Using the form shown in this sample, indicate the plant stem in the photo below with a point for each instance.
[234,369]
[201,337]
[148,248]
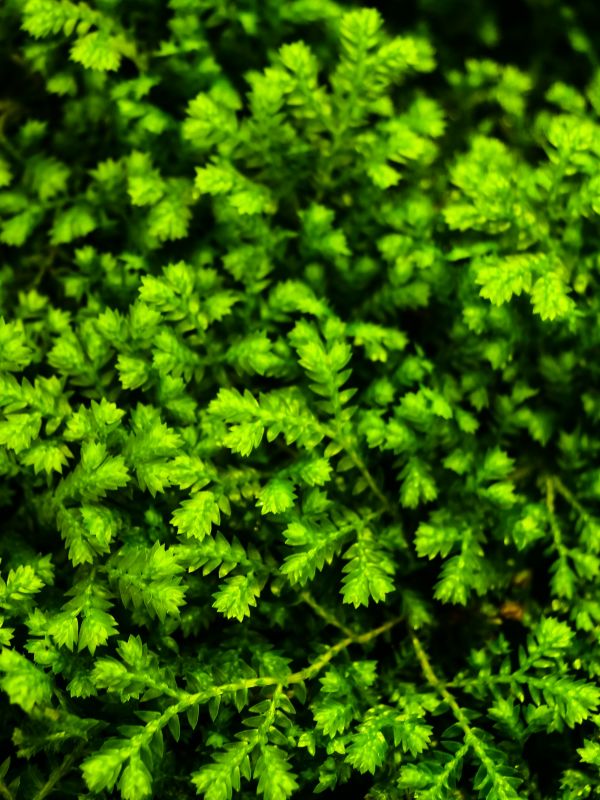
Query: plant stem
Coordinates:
[570,497]
[368,478]
[58,773]
[337,434]
[554,527]
[187,699]
[435,683]
[473,738]
[330,653]
[324,614]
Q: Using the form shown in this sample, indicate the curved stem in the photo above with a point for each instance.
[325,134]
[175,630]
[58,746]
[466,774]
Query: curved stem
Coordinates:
[368,478]
[187,699]
[440,687]
[349,447]
[568,495]
[324,614]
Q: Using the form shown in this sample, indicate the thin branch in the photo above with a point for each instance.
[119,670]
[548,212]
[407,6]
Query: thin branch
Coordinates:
[189,700]
[436,684]
[367,477]
[568,495]
[59,773]
[328,655]
[554,526]
[324,614]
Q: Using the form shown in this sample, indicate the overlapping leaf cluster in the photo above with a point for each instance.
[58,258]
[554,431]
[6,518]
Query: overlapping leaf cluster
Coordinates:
[299,403]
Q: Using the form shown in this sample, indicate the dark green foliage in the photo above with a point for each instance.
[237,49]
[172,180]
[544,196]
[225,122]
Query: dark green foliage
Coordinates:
[299,400]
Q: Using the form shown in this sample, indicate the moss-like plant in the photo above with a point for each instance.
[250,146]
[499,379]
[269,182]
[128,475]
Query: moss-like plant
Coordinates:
[299,401]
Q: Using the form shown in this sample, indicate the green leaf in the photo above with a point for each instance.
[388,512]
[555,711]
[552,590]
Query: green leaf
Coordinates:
[20,585]
[25,684]
[550,299]
[418,485]
[209,122]
[501,279]
[196,516]
[88,531]
[96,628]
[276,497]
[276,781]
[74,223]
[48,177]
[97,50]
[133,372]
[48,457]
[102,769]
[16,230]
[318,544]
[368,572]
[367,751]
[323,365]
[332,717]
[496,777]
[550,637]
[18,431]
[244,438]
[64,629]
[169,220]
[214,180]
[100,472]
[496,466]
[150,579]
[144,184]
[219,780]
[360,31]
[62,83]
[436,539]
[433,777]
[5,173]
[574,700]
[590,752]
[412,734]
[320,236]
[136,780]
[236,596]
[15,351]
[463,573]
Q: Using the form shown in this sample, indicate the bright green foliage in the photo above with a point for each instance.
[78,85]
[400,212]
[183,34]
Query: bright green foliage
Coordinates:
[236,596]
[299,402]
[368,571]
[196,516]
[23,682]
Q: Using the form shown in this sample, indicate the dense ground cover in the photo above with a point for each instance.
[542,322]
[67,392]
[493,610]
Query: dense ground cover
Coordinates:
[299,399]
